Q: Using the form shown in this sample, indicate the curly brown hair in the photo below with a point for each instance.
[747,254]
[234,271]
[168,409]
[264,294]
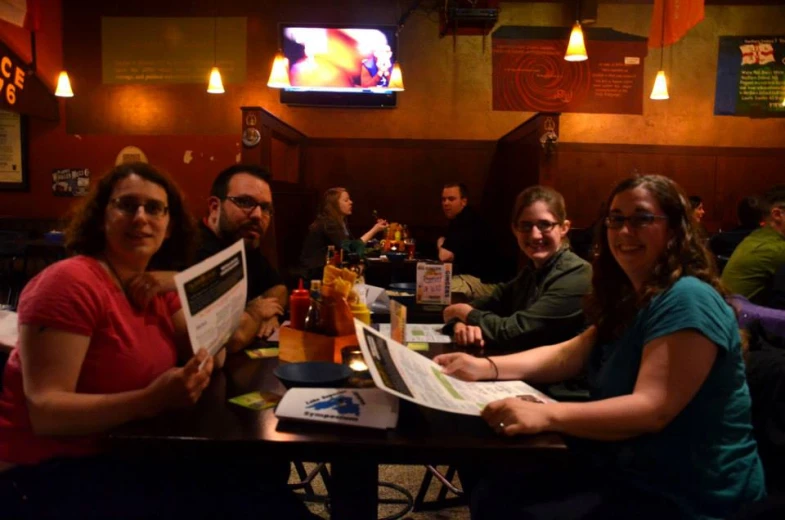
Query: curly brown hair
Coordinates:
[613,302]
[85,232]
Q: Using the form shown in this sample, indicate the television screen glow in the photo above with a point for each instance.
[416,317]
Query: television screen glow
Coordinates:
[340,60]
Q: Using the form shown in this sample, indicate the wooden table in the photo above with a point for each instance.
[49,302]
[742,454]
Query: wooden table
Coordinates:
[423,436]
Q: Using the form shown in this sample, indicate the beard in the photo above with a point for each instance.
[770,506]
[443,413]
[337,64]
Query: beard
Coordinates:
[232,232]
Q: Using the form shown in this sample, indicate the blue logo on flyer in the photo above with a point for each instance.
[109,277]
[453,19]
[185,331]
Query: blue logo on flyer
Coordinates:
[342,404]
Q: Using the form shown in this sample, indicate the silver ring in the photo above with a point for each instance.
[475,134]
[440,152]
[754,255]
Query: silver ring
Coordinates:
[501,425]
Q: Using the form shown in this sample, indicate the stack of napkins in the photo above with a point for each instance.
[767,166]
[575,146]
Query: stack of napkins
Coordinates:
[369,407]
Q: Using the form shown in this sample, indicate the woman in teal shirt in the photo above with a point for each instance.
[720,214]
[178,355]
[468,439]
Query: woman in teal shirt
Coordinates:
[668,433]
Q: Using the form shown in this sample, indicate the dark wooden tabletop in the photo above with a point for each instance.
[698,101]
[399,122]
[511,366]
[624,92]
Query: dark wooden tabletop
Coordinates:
[422,436]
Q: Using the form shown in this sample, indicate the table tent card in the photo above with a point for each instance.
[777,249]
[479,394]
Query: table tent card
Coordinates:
[433,283]
[369,407]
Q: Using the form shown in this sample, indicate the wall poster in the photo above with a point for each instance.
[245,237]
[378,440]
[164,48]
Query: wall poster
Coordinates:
[13,171]
[750,76]
[530,73]
[71,182]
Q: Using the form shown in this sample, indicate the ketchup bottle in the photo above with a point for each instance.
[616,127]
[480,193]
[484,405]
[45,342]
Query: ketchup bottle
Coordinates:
[299,301]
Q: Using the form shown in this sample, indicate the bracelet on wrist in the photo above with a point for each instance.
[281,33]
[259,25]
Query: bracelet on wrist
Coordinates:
[495,369]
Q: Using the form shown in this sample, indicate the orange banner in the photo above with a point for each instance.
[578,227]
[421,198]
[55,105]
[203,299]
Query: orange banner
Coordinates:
[679,17]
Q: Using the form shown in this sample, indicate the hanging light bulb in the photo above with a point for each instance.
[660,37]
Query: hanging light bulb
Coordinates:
[63,86]
[215,86]
[279,74]
[660,90]
[396,79]
[576,48]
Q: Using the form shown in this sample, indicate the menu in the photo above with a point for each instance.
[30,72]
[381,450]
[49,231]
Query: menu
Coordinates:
[412,376]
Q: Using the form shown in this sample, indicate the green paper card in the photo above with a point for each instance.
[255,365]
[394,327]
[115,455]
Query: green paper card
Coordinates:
[418,346]
[256,400]
[258,353]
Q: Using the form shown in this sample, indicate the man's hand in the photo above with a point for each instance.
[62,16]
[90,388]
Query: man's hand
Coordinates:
[262,309]
[268,326]
[439,242]
[142,288]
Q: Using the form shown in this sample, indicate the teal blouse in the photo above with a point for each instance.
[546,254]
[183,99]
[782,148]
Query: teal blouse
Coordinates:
[706,460]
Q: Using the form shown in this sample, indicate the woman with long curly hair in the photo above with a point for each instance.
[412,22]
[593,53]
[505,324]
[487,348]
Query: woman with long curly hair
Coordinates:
[330,228]
[667,433]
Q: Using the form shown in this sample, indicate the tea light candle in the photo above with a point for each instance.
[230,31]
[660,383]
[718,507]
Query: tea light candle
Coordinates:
[353,358]
[358,365]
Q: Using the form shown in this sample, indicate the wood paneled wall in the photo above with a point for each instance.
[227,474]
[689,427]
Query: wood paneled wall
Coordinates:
[586,173]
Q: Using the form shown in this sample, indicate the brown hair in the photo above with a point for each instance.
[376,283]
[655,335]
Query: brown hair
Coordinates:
[613,303]
[85,232]
[329,213]
[533,194]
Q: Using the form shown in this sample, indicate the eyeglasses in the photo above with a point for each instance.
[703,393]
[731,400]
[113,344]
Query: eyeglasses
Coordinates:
[248,204]
[636,221]
[524,226]
[130,205]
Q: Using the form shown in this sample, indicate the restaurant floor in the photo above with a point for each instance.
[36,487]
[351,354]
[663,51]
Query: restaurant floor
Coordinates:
[409,477]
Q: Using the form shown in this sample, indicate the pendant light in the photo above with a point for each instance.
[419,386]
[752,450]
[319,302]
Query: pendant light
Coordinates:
[64,86]
[576,48]
[215,85]
[660,90]
[396,79]
[279,74]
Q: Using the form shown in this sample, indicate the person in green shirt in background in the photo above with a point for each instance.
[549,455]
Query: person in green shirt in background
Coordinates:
[751,268]
[668,431]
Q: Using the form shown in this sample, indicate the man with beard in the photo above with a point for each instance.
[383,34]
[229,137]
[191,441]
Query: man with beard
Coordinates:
[241,206]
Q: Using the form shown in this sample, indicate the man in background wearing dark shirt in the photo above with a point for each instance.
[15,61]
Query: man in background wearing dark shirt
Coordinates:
[241,206]
[467,244]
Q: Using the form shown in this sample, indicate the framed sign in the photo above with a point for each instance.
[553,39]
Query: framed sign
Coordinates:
[13,167]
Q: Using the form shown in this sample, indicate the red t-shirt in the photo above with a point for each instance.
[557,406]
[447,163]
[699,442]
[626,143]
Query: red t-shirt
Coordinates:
[128,349]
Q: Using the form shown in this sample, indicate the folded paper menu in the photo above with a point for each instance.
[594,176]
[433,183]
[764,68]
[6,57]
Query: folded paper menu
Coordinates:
[369,407]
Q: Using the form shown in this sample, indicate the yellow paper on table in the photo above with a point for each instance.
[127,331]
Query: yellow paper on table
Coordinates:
[418,346]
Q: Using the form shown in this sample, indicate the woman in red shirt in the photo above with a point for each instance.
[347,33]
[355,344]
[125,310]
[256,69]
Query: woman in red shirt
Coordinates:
[88,360]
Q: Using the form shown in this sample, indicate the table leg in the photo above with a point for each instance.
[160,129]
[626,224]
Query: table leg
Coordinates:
[354,490]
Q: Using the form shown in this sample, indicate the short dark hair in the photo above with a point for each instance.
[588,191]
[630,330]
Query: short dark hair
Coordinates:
[695,201]
[461,188]
[221,183]
[750,212]
[773,198]
[85,233]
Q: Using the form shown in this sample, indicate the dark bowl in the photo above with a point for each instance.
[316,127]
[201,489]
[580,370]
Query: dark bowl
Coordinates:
[313,374]
[395,256]
[404,293]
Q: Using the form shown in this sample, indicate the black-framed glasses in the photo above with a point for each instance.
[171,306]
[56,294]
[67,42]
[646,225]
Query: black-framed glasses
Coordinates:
[248,204]
[129,205]
[636,221]
[525,226]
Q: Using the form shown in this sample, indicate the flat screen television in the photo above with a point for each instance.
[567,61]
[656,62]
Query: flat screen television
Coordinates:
[339,65]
